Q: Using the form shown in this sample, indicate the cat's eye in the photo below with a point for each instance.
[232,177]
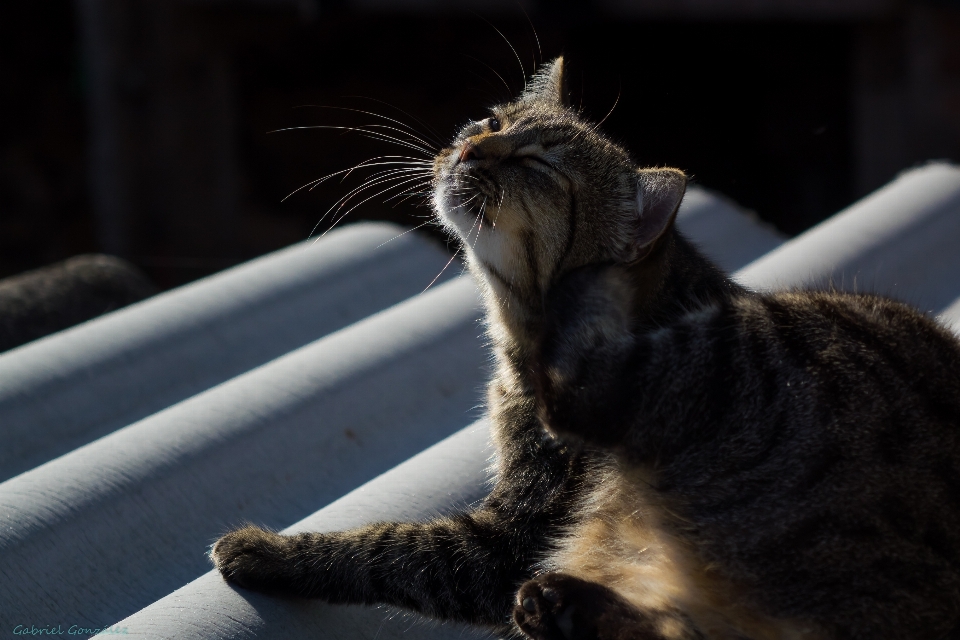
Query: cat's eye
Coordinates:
[493,124]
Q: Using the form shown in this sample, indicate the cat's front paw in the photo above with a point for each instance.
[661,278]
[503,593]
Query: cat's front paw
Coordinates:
[257,559]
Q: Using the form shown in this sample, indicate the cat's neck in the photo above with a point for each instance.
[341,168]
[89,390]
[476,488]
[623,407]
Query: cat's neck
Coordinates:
[683,281]
[677,280]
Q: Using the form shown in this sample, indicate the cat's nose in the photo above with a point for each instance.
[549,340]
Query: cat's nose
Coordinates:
[469,152]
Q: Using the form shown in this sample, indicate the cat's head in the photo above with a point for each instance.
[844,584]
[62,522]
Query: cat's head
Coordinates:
[534,191]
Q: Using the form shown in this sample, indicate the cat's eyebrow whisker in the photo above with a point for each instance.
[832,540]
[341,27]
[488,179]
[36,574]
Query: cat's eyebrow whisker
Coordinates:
[490,83]
[535,36]
[523,71]
[509,90]
[615,102]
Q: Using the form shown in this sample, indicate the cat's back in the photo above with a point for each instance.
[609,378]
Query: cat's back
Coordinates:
[830,485]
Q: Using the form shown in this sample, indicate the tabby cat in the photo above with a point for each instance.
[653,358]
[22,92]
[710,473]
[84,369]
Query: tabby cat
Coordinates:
[678,457]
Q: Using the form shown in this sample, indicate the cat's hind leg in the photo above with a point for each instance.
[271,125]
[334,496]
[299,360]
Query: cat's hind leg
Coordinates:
[557,606]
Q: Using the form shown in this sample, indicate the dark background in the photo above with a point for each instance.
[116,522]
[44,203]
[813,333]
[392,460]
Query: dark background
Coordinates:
[139,127]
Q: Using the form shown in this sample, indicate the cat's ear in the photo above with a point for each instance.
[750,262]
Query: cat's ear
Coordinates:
[659,192]
[548,85]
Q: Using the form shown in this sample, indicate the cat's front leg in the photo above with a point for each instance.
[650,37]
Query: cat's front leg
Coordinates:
[582,355]
[464,567]
[556,606]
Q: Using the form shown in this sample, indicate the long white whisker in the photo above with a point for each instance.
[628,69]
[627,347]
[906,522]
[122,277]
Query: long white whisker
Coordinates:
[509,90]
[370,182]
[499,209]
[347,212]
[452,258]
[429,148]
[371,134]
[433,131]
[366,163]
[615,102]
[344,199]
[412,131]
[404,233]
[535,36]
[406,192]
[523,71]
[483,208]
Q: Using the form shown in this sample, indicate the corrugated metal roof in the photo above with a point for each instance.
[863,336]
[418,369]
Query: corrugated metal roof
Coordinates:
[292,391]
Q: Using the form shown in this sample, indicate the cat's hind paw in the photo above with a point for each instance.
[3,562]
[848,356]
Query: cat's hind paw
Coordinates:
[544,610]
[254,558]
[556,606]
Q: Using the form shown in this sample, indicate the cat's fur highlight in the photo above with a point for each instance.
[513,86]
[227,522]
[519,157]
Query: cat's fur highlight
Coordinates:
[716,464]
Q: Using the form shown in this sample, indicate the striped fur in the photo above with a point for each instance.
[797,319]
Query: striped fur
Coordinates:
[716,463]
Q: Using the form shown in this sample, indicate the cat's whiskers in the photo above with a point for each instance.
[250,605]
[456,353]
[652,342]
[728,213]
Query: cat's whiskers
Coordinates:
[379,178]
[412,131]
[441,141]
[407,160]
[370,182]
[509,90]
[615,103]
[412,162]
[493,86]
[479,221]
[408,193]
[523,71]
[427,195]
[407,180]
[536,37]
[376,135]
[400,235]
[452,258]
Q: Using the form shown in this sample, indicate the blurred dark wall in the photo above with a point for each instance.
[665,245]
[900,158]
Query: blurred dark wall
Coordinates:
[45,209]
[139,127]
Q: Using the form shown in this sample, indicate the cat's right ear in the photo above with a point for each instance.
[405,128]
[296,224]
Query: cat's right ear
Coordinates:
[659,192]
[548,85]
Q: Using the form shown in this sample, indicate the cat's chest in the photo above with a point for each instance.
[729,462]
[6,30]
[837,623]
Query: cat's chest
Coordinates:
[627,540]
